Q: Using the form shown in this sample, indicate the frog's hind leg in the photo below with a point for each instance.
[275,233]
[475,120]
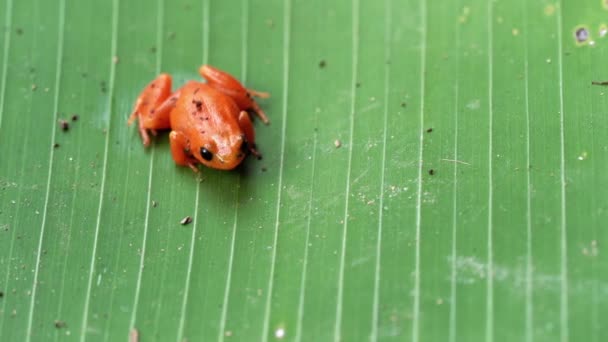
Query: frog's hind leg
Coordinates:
[149,108]
[230,86]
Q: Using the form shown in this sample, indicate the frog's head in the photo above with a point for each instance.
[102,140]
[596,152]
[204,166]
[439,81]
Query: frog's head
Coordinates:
[222,152]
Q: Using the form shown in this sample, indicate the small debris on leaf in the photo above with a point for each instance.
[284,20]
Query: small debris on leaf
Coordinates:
[429,130]
[600,83]
[55,145]
[134,335]
[581,34]
[337,143]
[154,204]
[279,333]
[322,64]
[59,324]
[186,220]
[75,117]
[431,172]
[65,126]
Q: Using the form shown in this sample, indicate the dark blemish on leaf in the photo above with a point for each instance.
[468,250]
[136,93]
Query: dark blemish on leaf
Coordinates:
[55,145]
[65,126]
[600,83]
[171,35]
[429,130]
[60,324]
[103,86]
[431,172]
[153,49]
[75,117]
[403,104]
[1,294]
[322,64]
[264,169]
[19,31]
[84,75]
[358,84]
[581,34]
[154,204]
[186,220]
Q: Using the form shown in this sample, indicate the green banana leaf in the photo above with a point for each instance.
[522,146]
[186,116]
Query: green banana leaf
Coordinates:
[433,171]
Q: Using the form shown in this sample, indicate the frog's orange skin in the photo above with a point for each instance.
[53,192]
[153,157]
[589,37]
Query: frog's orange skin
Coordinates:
[209,121]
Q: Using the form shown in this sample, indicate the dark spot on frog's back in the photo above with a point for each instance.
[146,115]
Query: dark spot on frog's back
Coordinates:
[198,104]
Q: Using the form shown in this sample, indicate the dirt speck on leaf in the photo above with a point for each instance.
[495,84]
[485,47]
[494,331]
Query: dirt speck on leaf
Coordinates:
[65,126]
[134,335]
[186,220]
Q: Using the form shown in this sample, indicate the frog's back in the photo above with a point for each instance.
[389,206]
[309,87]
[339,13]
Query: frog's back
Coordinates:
[202,107]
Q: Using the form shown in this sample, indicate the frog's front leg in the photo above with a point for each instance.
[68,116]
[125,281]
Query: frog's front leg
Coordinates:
[153,107]
[230,86]
[247,127]
[179,150]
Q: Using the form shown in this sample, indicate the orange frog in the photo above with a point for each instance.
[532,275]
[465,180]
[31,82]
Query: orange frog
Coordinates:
[209,121]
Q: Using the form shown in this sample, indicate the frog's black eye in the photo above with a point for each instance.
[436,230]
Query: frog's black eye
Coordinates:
[206,154]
